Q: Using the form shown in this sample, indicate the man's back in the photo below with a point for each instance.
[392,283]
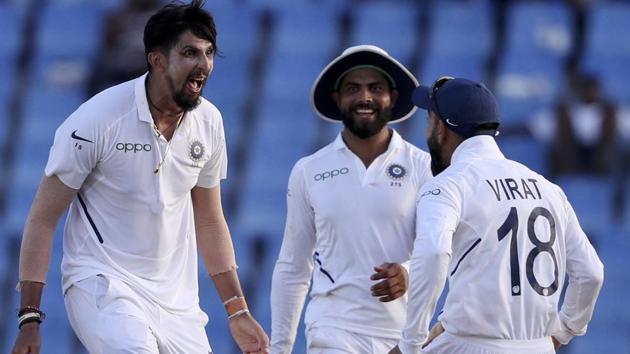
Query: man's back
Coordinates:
[516,237]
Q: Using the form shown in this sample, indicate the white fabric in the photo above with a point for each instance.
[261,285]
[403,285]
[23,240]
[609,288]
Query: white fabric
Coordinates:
[346,219]
[460,217]
[447,343]
[109,317]
[128,221]
[331,340]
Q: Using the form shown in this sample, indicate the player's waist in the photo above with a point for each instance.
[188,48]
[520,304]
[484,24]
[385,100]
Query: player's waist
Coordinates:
[515,346]
[365,314]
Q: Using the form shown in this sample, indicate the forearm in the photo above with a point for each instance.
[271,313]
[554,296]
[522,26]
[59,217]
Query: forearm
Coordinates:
[215,245]
[35,250]
[51,200]
[227,285]
[426,282]
[288,293]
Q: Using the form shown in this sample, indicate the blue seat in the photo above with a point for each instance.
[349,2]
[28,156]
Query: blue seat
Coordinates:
[291,75]
[525,150]
[70,29]
[526,85]
[461,28]
[237,28]
[11,28]
[306,30]
[392,26]
[435,66]
[606,53]
[539,29]
[591,197]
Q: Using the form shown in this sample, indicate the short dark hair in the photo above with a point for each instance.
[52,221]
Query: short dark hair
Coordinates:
[164,28]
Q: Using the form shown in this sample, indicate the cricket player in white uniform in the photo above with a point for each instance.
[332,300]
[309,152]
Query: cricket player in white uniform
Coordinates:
[139,166]
[351,213]
[503,235]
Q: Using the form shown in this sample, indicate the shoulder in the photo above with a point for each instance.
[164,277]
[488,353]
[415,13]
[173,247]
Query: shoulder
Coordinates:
[416,154]
[314,161]
[113,102]
[208,112]
[96,115]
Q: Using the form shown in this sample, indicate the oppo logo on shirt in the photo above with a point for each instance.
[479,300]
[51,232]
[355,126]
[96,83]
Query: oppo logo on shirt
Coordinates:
[131,147]
[331,174]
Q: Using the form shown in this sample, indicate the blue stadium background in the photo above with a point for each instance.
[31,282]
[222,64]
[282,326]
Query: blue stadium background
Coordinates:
[272,52]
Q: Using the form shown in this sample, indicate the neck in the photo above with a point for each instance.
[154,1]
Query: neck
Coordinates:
[370,148]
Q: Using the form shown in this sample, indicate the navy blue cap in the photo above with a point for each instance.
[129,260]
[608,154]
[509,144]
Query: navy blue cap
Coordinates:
[466,107]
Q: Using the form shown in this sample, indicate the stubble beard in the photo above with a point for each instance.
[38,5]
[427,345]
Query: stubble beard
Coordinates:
[437,159]
[186,102]
[368,129]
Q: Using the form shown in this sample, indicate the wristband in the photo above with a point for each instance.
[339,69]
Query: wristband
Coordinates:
[237,313]
[27,309]
[28,318]
[235,304]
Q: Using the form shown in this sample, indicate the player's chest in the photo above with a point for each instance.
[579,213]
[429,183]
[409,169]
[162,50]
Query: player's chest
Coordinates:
[138,160]
[345,189]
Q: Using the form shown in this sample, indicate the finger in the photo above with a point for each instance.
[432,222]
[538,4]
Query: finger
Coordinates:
[391,297]
[381,293]
[387,290]
[379,275]
[380,286]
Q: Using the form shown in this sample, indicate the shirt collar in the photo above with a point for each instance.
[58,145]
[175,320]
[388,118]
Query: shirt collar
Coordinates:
[395,143]
[144,114]
[476,147]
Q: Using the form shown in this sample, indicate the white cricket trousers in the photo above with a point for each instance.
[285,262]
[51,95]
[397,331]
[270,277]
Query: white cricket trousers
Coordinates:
[109,317]
[447,343]
[330,340]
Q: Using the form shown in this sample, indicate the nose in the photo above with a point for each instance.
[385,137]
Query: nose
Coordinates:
[365,95]
[207,63]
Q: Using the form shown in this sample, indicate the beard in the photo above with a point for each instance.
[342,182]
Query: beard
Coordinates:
[437,160]
[183,100]
[366,129]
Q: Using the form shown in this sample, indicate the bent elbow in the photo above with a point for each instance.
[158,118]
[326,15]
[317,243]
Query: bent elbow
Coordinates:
[595,275]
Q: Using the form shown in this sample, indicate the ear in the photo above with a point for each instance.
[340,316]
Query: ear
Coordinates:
[442,130]
[335,97]
[394,97]
[156,60]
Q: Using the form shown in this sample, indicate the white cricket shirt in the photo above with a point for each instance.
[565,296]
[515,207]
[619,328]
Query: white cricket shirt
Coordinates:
[127,221]
[343,220]
[505,237]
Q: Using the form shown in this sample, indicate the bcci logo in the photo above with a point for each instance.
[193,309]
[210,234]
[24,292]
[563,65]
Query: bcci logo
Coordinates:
[196,150]
[396,172]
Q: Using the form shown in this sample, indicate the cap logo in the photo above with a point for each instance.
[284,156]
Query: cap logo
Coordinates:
[451,123]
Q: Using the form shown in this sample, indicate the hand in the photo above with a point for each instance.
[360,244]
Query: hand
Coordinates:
[556,343]
[248,334]
[28,340]
[394,284]
[395,350]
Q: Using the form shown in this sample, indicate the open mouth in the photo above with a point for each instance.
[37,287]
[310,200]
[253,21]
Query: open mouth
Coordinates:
[195,85]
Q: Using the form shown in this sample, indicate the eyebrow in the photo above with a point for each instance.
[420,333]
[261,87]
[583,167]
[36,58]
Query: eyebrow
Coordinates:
[189,46]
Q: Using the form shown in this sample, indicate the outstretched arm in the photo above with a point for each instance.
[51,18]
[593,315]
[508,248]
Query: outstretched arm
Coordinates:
[51,200]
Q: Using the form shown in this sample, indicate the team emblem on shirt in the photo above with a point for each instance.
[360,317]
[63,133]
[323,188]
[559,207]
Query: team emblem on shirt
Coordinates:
[196,150]
[396,172]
